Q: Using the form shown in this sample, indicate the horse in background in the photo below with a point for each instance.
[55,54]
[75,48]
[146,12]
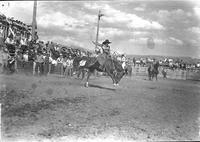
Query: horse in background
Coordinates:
[164,73]
[153,71]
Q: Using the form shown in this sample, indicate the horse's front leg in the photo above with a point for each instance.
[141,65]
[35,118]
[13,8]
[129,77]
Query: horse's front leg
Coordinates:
[88,76]
[78,73]
[153,76]
[83,74]
[113,80]
[112,77]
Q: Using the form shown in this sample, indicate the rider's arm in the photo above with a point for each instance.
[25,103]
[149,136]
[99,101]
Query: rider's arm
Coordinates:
[96,43]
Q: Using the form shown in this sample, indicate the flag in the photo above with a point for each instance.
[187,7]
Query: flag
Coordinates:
[100,15]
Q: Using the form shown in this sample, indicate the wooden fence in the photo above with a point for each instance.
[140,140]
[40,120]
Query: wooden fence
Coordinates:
[137,71]
[172,74]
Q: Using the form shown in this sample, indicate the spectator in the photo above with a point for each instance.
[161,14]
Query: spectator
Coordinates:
[1,37]
[17,38]
[60,64]
[46,64]
[19,60]
[134,61]
[164,73]
[5,56]
[65,65]
[36,37]
[10,40]
[25,64]
[25,56]
[39,61]
[69,66]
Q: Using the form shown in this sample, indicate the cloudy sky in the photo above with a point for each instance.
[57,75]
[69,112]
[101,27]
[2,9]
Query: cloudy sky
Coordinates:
[174,25]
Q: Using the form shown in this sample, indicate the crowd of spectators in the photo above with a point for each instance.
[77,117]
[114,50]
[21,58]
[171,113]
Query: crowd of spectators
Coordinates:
[167,63]
[19,52]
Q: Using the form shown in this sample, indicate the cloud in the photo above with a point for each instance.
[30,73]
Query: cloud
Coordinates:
[130,20]
[139,41]
[143,41]
[177,41]
[110,32]
[139,9]
[59,19]
[196,8]
[167,16]
[158,41]
[138,34]
[89,18]
[20,10]
[197,11]
[195,30]
[62,40]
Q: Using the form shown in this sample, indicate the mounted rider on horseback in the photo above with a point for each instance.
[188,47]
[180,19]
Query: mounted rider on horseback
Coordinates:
[103,53]
[153,69]
[102,62]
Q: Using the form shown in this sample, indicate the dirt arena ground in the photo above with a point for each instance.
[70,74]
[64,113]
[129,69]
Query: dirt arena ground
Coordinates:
[61,109]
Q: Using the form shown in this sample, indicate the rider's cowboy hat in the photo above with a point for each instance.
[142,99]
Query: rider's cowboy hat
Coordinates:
[106,41]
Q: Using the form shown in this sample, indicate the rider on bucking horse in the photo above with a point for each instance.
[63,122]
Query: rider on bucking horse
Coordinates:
[103,53]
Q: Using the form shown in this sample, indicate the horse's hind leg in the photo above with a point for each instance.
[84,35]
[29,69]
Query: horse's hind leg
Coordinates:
[88,76]
[78,73]
[83,74]
[112,77]
[149,76]
[153,75]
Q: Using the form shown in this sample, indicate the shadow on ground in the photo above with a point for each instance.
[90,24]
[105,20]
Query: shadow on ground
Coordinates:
[101,87]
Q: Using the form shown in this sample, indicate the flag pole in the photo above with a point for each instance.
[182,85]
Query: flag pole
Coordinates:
[97,35]
[34,28]
[34,19]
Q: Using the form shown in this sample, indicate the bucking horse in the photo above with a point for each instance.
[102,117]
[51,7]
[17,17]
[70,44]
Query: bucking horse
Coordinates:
[153,71]
[111,66]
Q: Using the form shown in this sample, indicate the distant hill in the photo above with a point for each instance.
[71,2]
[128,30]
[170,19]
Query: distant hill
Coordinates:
[187,60]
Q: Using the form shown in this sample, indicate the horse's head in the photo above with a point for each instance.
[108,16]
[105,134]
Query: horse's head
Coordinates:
[119,71]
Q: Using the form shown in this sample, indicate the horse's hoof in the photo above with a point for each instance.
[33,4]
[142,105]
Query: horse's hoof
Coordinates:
[114,84]
[117,84]
[86,84]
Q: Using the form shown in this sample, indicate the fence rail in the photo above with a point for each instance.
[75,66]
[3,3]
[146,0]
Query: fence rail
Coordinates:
[136,71]
[172,74]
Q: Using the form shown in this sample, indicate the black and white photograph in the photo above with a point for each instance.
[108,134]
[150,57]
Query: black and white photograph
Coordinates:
[99,71]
